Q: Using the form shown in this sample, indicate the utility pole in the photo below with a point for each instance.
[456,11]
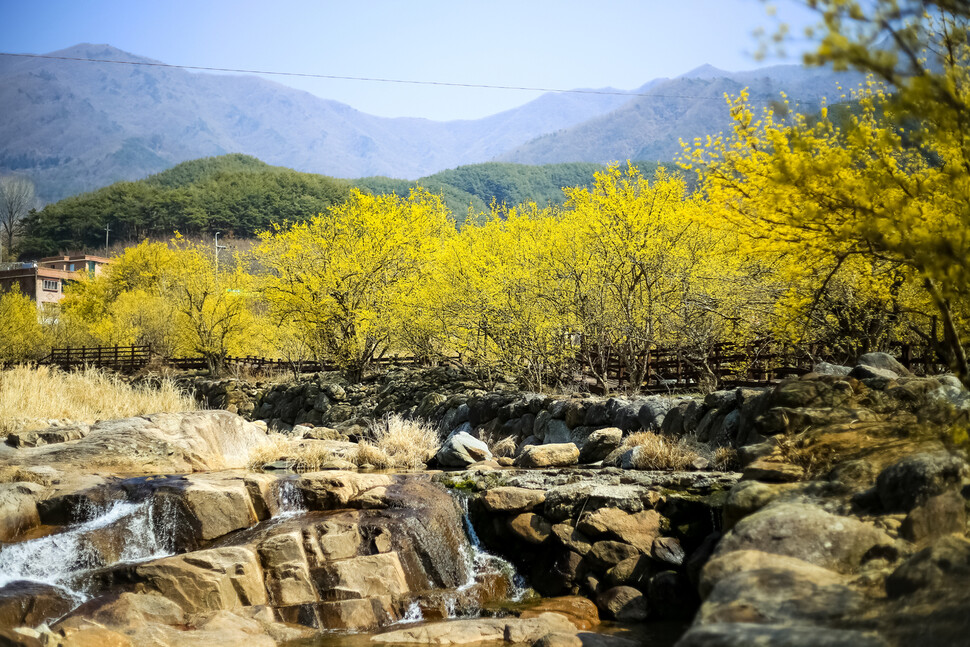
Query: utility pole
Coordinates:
[218,247]
[107,229]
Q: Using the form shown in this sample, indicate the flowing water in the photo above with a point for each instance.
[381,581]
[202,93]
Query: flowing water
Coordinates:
[289,498]
[123,532]
[482,564]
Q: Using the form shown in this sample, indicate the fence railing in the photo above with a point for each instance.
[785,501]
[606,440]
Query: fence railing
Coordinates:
[661,369]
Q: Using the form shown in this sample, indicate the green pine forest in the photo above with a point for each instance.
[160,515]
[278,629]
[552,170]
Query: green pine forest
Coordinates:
[240,195]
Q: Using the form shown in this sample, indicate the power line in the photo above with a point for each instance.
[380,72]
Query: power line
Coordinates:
[373,79]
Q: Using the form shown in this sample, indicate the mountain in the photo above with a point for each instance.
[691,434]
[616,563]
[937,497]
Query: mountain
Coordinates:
[74,126]
[652,124]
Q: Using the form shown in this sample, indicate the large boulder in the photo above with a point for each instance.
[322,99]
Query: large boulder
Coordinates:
[161,443]
[600,443]
[805,531]
[213,507]
[746,634]
[31,603]
[916,478]
[623,603]
[639,529]
[554,455]
[461,450]
[883,361]
[207,580]
[945,564]
[18,510]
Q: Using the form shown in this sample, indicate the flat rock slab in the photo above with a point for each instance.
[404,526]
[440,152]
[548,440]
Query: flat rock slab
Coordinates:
[464,632]
[161,443]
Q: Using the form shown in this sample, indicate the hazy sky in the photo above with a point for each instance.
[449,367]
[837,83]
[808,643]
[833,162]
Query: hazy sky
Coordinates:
[535,43]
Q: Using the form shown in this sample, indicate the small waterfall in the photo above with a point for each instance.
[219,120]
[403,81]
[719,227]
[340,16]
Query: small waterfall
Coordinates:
[125,532]
[482,564]
[289,498]
[413,614]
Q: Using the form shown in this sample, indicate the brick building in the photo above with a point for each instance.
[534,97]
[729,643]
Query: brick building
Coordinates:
[44,280]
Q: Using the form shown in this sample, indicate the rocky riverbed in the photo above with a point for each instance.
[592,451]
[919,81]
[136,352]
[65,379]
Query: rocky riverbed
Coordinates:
[845,521]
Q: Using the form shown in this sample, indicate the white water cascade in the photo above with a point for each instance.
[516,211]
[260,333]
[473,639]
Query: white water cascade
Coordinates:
[289,498]
[124,532]
[482,563]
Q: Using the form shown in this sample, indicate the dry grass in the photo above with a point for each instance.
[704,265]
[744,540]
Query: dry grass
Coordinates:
[306,456]
[726,459]
[278,448]
[32,396]
[398,443]
[371,455]
[655,452]
[504,448]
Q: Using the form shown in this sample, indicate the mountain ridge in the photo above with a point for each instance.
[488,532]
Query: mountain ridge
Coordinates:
[74,126]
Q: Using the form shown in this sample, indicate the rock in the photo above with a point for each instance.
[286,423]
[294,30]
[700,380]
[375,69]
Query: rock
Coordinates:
[606,554]
[777,595]
[530,528]
[824,368]
[370,576]
[559,640]
[572,538]
[652,414]
[161,443]
[462,449]
[207,580]
[668,550]
[945,564]
[356,614]
[213,508]
[869,372]
[747,497]
[746,634]
[332,490]
[937,516]
[772,472]
[479,630]
[286,575]
[623,603]
[822,393]
[512,499]
[31,603]
[557,432]
[639,529]
[883,361]
[741,561]
[600,443]
[568,501]
[633,571]
[18,511]
[915,478]
[581,612]
[808,532]
[555,455]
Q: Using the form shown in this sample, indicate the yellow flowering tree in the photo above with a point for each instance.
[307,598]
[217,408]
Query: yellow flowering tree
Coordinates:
[22,337]
[343,275]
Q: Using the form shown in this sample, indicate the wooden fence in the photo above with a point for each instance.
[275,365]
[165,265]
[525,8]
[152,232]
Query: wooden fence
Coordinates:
[122,358]
[663,369]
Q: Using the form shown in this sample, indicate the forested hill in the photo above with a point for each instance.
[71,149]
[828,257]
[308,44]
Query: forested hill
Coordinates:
[241,195]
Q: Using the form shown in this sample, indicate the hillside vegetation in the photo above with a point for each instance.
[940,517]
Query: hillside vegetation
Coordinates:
[241,195]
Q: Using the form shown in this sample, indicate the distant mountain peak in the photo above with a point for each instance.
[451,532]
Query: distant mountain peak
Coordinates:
[101,51]
[705,71]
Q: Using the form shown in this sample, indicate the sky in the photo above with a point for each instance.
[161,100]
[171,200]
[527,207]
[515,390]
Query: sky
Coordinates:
[562,44]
